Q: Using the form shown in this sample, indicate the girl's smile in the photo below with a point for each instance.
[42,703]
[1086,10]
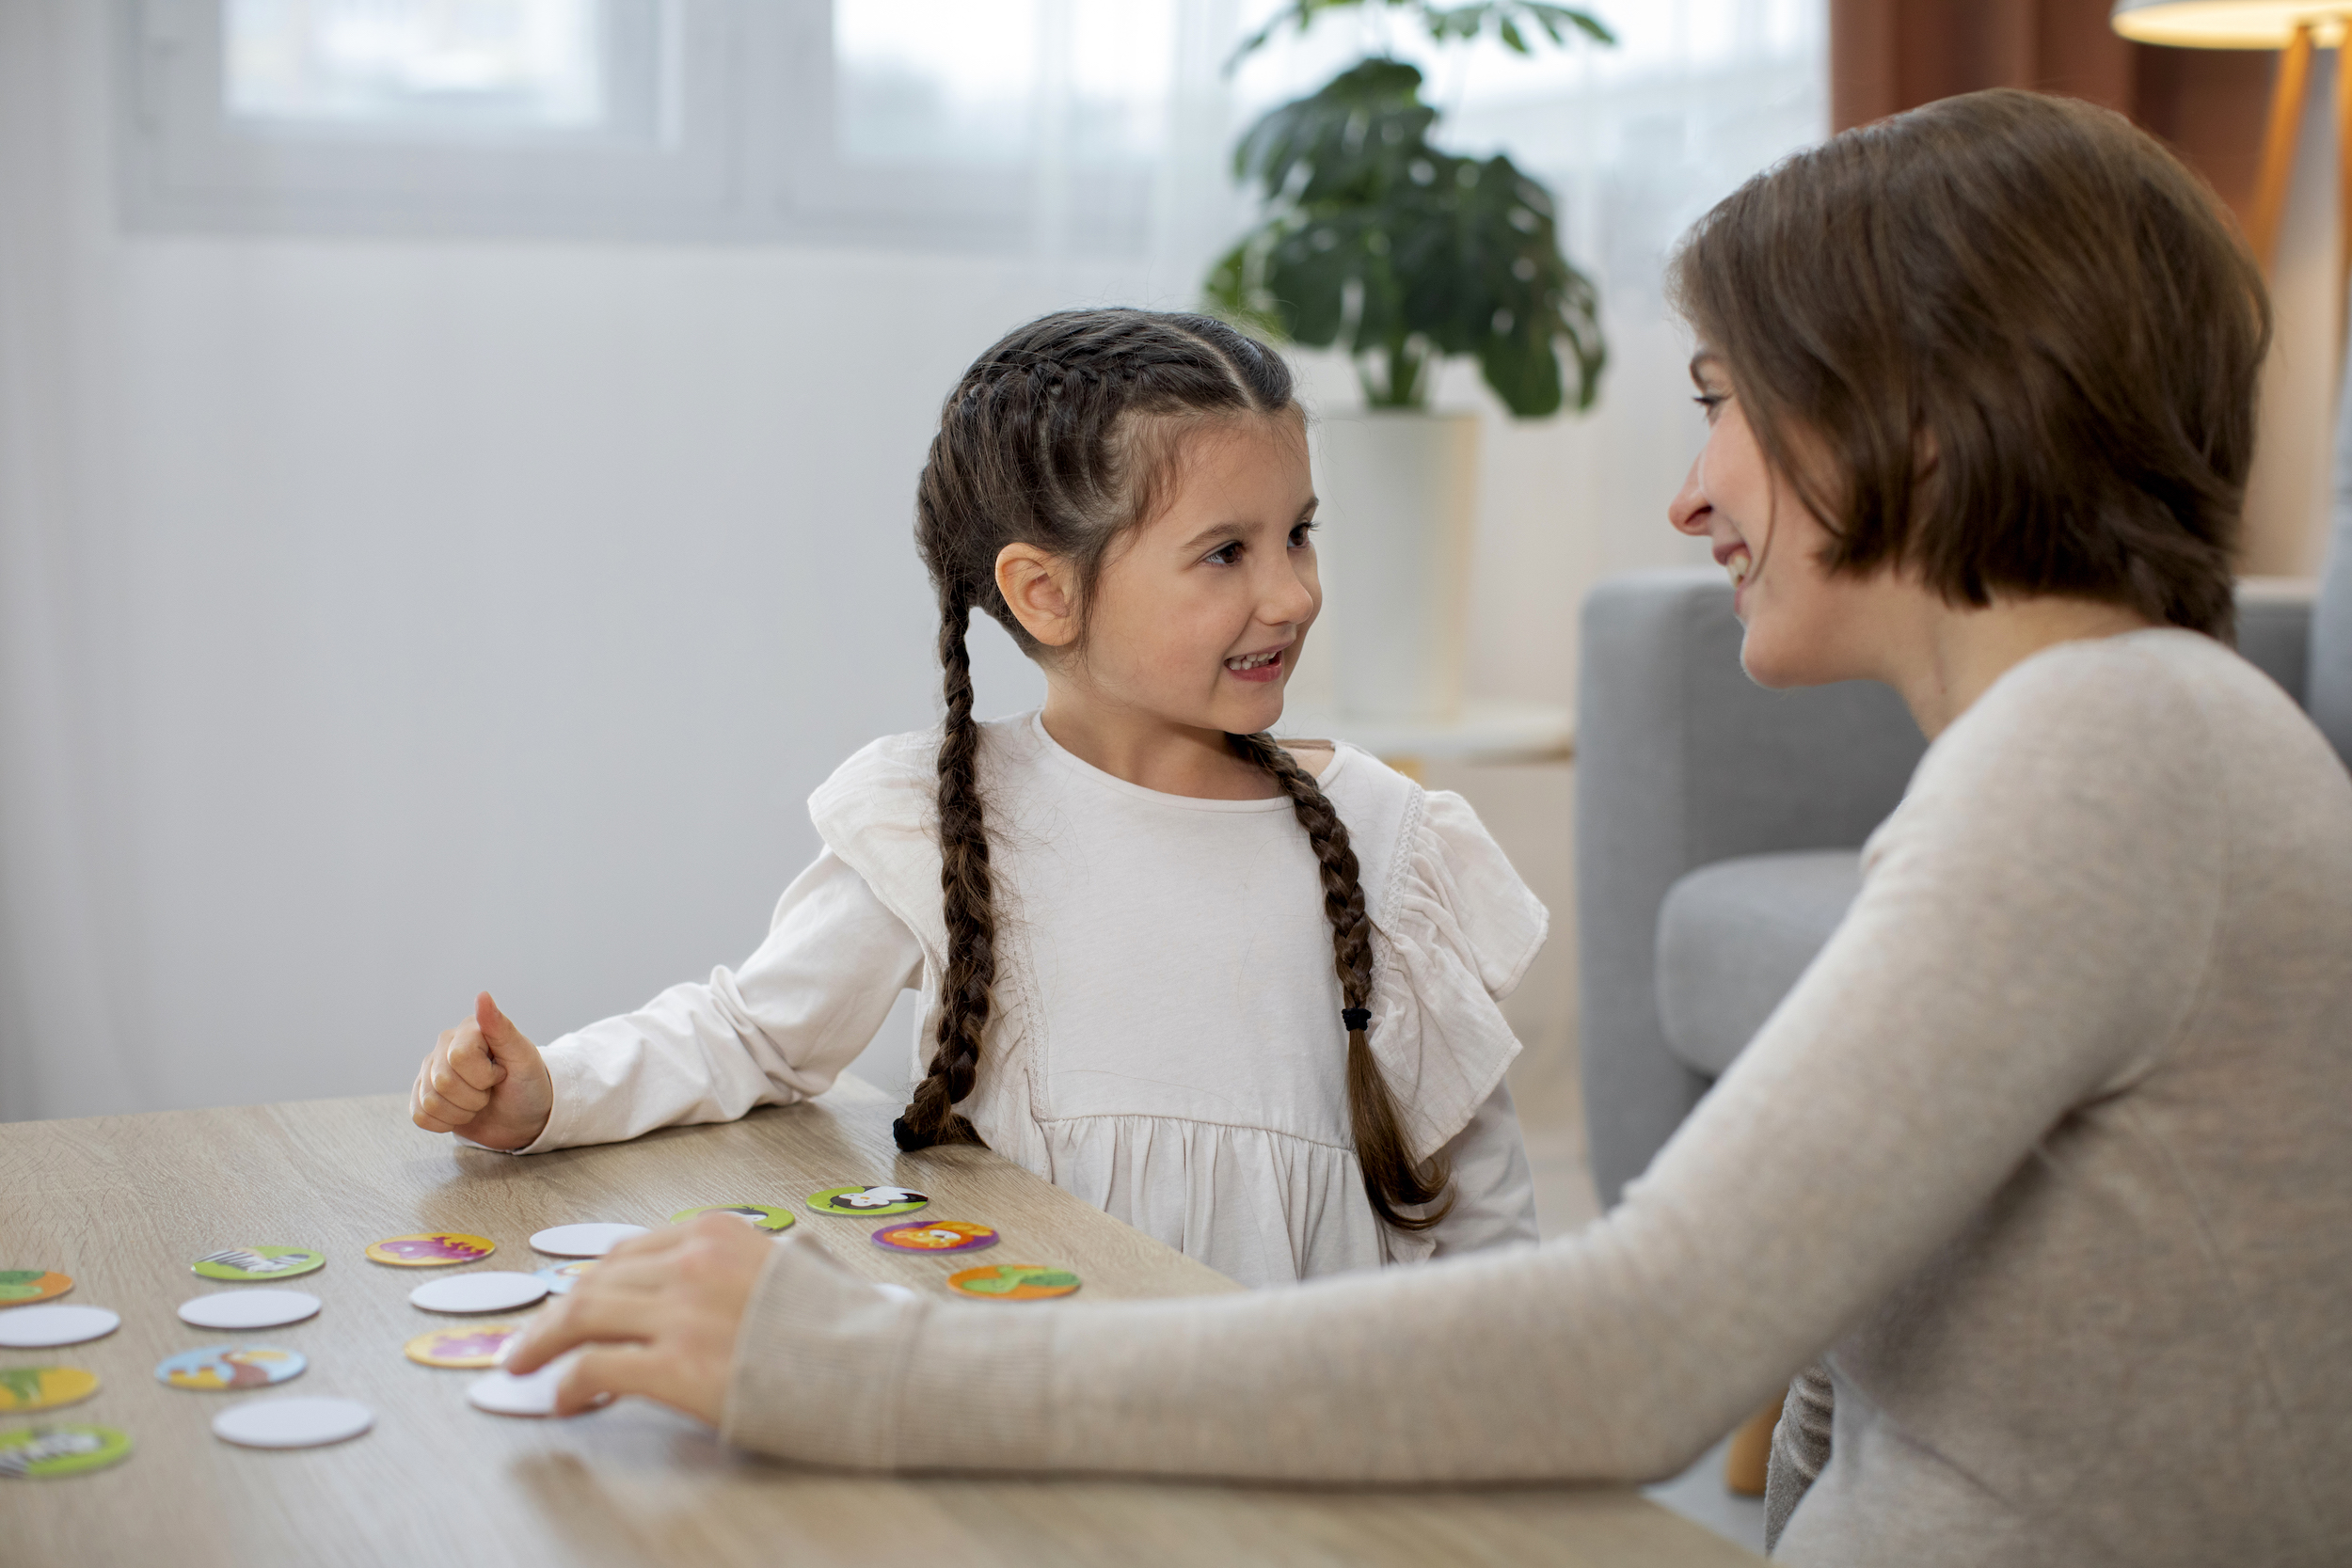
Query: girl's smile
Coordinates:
[1266,665]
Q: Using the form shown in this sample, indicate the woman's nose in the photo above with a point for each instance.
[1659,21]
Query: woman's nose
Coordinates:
[1688,510]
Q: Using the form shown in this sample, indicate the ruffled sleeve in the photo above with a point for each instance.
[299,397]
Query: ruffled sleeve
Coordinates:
[877,812]
[1454,930]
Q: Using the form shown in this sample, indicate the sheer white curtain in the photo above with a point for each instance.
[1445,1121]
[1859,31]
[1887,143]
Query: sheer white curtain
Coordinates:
[68,878]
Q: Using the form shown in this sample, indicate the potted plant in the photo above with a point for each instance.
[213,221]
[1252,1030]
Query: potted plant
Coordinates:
[1403,255]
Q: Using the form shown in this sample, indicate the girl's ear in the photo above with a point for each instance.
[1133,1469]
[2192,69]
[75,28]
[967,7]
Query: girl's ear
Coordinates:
[1041,590]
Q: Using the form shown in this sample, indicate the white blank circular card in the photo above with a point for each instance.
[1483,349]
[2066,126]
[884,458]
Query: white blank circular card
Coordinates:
[41,1326]
[584,1241]
[292,1422]
[531,1394]
[492,1290]
[248,1308]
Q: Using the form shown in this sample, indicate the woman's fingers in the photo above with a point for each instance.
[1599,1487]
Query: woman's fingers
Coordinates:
[660,1312]
[668,1237]
[639,1276]
[582,1318]
[605,1374]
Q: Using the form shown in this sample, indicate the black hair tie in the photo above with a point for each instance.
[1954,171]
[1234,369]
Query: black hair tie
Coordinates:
[1356,1018]
[906,1138]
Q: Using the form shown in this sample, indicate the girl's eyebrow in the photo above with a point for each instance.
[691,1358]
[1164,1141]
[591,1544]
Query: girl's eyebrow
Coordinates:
[1704,359]
[1214,530]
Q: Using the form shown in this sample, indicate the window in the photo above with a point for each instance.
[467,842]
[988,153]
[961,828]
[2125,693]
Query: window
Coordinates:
[425,116]
[989,124]
[397,69]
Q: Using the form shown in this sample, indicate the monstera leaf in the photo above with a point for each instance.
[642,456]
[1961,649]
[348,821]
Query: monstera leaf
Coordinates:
[1341,144]
[1402,254]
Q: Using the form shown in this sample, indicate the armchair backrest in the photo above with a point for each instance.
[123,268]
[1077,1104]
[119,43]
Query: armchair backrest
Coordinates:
[2328,681]
[1682,761]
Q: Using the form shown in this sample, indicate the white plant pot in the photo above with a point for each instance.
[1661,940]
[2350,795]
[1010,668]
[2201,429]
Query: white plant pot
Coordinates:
[1399,501]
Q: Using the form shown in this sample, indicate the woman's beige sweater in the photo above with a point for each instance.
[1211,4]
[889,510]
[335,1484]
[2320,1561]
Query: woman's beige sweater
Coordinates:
[2050,1151]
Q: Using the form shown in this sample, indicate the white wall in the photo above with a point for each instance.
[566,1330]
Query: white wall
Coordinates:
[451,616]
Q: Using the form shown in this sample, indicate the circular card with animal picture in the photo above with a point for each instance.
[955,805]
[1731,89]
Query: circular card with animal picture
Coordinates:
[225,1368]
[59,1449]
[760,1216]
[935,1236]
[867,1201]
[1014,1281]
[431,1249]
[476,1345]
[22,1287]
[259,1262]
[44,1388]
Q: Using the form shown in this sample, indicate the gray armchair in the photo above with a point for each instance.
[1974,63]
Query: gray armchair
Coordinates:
[1718,826]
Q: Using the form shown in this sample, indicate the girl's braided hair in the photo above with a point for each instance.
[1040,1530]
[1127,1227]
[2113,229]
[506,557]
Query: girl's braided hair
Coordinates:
[1063,437]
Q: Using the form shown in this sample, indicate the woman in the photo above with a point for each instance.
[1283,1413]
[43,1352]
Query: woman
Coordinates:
[2044,1162]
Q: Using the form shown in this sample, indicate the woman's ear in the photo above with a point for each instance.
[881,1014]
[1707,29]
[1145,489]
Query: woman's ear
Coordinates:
[1927,454]
[1043,592]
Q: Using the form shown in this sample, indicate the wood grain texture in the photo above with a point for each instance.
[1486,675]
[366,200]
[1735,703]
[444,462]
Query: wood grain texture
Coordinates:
[125,1203]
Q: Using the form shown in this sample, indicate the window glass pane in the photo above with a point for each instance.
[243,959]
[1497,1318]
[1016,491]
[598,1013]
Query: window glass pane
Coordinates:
[935,81]
[418,64]
[997,82]
[1120,55]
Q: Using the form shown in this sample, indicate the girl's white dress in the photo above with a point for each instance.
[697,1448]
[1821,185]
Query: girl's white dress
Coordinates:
[1166,1041]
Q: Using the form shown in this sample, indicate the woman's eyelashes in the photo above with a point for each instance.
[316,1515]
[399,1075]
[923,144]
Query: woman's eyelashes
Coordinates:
[1711,402]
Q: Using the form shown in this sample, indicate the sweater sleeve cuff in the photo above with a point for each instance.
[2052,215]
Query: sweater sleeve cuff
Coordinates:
[830,1370]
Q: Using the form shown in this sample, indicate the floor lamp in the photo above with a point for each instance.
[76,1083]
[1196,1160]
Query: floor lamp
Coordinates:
[2296,26]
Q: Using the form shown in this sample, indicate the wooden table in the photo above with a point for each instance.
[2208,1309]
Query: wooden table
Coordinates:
[125,1203]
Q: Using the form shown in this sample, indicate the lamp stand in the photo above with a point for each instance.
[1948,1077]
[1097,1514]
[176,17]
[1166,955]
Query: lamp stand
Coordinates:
[2288,96]
[2278,168]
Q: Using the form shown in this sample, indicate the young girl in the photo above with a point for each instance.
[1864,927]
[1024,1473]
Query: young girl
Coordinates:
[1241,996]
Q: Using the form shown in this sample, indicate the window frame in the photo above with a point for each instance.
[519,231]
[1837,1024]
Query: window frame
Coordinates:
[737,143]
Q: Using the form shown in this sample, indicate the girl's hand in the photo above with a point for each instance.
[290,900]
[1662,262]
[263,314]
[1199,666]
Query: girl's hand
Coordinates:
[486,1080]
[661,1310]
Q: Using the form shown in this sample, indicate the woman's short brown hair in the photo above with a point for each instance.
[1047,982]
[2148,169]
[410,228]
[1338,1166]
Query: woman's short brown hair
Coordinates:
[2005,341]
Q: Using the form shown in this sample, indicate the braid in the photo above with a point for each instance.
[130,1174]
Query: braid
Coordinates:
[963,995]
[1391,1180]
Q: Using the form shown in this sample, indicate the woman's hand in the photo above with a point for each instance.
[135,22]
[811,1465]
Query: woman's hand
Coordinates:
[661,1312]
[486,1080]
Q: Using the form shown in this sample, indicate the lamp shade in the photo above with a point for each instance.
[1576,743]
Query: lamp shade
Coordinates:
[2230,24]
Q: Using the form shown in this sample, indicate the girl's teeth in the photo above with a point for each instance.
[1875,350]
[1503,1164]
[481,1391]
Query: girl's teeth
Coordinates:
[1252,661]
[1738,566]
